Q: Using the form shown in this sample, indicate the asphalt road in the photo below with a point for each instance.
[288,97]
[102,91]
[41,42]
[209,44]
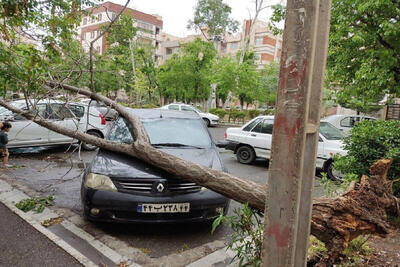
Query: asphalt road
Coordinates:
[56,171]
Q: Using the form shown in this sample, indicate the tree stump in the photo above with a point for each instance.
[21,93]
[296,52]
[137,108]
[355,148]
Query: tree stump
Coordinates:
[363,209]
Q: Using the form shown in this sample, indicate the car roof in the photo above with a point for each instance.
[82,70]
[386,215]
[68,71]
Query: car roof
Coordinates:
[164,113]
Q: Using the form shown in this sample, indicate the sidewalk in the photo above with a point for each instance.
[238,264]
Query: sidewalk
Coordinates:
[23,245]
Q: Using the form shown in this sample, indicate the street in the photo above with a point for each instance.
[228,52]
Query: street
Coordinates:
[40,171]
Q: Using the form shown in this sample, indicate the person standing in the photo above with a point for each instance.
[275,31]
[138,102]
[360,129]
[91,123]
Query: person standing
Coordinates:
[5,128]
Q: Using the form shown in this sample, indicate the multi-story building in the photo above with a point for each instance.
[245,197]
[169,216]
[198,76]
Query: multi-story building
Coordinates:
[267,47]
[149,27]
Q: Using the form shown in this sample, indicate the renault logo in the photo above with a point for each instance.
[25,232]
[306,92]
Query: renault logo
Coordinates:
[160,187]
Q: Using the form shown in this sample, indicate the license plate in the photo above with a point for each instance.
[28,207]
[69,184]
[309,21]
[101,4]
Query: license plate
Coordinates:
[164,208]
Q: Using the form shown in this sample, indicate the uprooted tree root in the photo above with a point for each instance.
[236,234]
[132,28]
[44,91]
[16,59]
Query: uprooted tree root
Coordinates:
[363,209]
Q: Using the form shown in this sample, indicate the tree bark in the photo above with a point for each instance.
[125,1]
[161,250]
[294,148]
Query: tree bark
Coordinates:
[362,210]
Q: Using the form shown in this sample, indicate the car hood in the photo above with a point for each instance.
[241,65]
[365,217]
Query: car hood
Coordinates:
[118,165]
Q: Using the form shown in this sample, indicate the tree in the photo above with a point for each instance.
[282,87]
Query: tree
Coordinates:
[269,83]
[187,76]
[354,211]
[211,17]
[364,52]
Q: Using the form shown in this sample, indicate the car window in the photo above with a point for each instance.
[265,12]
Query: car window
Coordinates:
[41,111]
[330,132]
[264,126]
[78,111]
[121,132]
[190,132]
[267,127]
[349,121]
[251,125]
[173,107]
[187,108]
[60,111]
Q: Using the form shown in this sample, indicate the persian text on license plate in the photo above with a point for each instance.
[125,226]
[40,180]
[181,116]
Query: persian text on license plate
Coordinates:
[164,208]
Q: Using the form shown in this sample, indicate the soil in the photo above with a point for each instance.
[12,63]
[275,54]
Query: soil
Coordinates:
[386,251]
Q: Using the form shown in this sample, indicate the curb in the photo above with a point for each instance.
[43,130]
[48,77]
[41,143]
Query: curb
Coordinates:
[9,195]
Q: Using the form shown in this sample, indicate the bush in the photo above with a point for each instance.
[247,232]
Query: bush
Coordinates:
[219,112]
[370,141]
[253,113]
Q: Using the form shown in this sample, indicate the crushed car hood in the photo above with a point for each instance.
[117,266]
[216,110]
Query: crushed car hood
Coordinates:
[118,165]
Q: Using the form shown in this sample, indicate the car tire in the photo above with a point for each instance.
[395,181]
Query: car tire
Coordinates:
[245,155]
[90,147]
[331,173]
[207,121]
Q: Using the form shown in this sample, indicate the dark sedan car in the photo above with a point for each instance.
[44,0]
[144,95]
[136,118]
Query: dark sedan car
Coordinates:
[119,188]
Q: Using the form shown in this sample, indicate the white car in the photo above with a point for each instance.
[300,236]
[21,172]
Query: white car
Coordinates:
[25,133]
[209,119]
[346,122]
[253,140]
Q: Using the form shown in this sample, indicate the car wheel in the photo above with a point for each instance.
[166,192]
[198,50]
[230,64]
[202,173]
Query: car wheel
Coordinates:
[245,155]
[333,174]
[207,121]
[91,147]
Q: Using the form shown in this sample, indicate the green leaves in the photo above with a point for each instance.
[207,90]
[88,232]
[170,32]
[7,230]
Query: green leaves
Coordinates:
[370,141]
[36,204]
[214,16]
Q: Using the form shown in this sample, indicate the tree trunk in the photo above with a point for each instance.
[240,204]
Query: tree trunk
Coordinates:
[362,210]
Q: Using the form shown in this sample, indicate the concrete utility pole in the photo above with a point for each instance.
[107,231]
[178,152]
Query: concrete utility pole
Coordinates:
[296,133]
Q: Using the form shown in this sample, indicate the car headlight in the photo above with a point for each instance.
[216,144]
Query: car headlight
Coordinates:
[100,182]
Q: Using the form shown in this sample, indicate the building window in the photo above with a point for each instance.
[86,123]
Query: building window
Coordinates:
[234,46]
[259,41]
[92,19]
[113,16]
[92,35]
[168,51]
[99,17]
[257,57]
[145,26]
[84,36]
[84,21]
[98,49]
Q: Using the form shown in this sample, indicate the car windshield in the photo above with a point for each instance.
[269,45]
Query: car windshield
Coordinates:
[329,131]
[168,132]
[174,132]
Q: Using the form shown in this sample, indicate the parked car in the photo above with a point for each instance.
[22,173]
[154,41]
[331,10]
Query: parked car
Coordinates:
[253,140]
[119,188]
[346,122]
[209,119]
[25,133]
[109,113]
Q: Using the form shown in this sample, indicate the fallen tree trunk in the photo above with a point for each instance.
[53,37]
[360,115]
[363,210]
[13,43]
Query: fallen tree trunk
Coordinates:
[362,210]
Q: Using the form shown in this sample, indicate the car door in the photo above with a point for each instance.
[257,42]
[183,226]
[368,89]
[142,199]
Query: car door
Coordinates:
[27,133]
[61,115]
[321,157]
[261,138]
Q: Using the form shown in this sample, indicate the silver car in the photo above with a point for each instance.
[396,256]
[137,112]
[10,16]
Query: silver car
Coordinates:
[76,116]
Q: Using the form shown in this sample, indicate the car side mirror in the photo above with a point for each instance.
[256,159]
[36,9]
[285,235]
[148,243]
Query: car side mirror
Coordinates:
[222,143]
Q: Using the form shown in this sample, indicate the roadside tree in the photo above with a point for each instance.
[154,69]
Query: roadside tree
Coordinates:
[335,222]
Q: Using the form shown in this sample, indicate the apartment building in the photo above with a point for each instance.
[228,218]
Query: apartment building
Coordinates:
[149,27]
[267,47]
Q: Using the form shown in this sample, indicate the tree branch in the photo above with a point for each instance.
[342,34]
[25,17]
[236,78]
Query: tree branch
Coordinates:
[97,38]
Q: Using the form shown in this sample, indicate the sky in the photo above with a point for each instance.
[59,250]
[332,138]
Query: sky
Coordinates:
[176,13]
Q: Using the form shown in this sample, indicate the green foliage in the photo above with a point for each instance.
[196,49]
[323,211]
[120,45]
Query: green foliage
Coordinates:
[221,113]
[36,204]
[370,141]
[354,255]
[214,16]
[253,113]
[247,237]
[364,52]
[269,83]
[186,76]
